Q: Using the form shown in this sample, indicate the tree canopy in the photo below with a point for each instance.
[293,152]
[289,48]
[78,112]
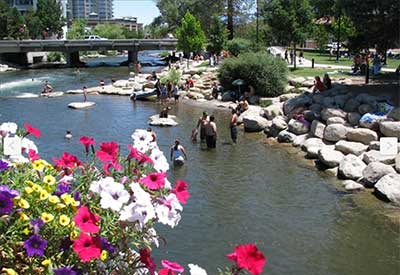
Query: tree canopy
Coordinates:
[191,37]
[217,36]
[77,29]
[50,16]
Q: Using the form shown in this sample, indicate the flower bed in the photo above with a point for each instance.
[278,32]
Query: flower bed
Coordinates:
[76,218]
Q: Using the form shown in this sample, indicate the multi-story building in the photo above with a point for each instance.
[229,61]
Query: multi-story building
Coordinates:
[130,23]
[92,9]
[24,5]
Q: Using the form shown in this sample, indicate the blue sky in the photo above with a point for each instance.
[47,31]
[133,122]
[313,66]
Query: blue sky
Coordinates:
[144,10]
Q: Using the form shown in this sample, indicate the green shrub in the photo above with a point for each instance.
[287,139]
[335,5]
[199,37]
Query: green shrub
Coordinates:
[238,45]
[266,73]
[173,75]
[54,57]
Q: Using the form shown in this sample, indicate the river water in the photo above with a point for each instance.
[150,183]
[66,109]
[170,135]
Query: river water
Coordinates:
[249,192]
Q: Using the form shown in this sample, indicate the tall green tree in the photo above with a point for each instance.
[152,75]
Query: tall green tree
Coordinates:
[191,37]
[50,14]
[290,21]
[33,24]
[110,31]
[4,11]
[77,29]
[217,36]
[16,24]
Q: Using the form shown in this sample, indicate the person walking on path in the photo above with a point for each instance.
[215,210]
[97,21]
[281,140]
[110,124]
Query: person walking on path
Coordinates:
[301,57]
[211,133]
[286,57]
[233,124]
[203,121]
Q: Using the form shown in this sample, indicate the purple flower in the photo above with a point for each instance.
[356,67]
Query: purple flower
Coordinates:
[65,271]
[107,246]
[4,189]
[62,188]
[37,224]
[3,165]
[6,203]
[35,245]
[77,196]
[66,244]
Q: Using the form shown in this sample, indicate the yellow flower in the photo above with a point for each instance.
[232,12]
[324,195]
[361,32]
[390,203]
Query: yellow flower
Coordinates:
[75,203]
[50,180]
[60,206]
[23,203]
[43,195]
[103,255]
[28,190]
[54,199]
[26,231]
[46,262]
[74,235]
[38,165]
[8,271]
[23,216]
[66,198]
[46,217]
[36,187]
[30,183]
[64,220]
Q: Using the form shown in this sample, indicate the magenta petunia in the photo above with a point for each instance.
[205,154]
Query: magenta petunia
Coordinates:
[154,181]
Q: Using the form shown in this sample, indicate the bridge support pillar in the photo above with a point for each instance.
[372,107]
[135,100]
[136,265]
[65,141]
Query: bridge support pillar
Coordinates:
[15,58]
[132,57]
[73,59]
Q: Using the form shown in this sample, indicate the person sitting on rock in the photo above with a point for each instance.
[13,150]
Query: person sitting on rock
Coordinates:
[327,81]
[47,88]
[318,85]
[164,112]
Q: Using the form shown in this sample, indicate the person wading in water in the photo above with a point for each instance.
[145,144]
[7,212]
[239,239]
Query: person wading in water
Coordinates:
[203,121]
[211,133]
[232,125]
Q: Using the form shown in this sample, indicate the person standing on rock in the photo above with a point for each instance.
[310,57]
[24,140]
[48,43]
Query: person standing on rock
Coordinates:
[203,121]
[84,93]
[233,125]
[211,133]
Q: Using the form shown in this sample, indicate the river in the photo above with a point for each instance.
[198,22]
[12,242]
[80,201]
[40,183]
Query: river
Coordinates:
[250,192]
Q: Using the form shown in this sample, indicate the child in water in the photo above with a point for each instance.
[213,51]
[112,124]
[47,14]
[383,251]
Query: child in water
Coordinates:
[68,135]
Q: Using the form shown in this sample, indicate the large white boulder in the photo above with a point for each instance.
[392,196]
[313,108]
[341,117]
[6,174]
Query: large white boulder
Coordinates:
[254,123]
[350,147]
[299,101]
[389,186]
[317,129]
[362,135]
[326,113]
[374,171]
[286,137]
[335,132]
[155,120]
[394,114]
[298,127]
[279,123]
[351,167]
[330,157]
[376,156]
[390,128]
[351,185]
[273,111]
[312,142]
[81,105]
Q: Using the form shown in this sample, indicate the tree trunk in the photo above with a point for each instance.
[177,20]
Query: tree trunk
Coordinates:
[230,19]
[294,55]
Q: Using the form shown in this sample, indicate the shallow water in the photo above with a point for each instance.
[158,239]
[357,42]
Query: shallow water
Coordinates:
[249,192]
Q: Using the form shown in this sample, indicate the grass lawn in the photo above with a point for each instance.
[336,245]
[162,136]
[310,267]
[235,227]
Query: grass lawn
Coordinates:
[325,58]
[314,72]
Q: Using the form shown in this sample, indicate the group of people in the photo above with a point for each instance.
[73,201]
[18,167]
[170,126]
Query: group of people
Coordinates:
[292,54]
[166,91]
[325,84]
[208,130]
[361,63]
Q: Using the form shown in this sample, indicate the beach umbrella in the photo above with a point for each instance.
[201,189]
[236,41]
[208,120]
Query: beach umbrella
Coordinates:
[238,82]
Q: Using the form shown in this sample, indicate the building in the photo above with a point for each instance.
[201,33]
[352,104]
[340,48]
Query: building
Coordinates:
[24,5]
[128,22]
[91,9]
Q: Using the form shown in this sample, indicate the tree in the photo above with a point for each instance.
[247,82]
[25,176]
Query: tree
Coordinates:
[50,14]
[15,24]
[128,34]
[321,36]
[110,31]
[4,11]
[77,29]
[217,36]
[33,24]
[191,37]
[290,21]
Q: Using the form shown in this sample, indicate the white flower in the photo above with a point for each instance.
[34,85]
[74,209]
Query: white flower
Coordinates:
[103,183]
[114,196]
[137,212]
[67,179]
[167,216]
[153,237]
[8,128]
[28,144]
[18,159]
[139,195]
[196,270]
[160,161]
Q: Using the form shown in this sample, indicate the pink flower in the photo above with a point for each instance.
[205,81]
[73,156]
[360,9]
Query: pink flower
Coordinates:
[181,191]
[247,256]
[67,161]
[170,268]
[108,151]
[33,155]
[154,181]
[87,247]
[86,221]
[86,141]
[147,260]
[139,156]
[33,131]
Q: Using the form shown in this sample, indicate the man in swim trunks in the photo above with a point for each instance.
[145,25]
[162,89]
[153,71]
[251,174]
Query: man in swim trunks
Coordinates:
[233,124]
[211,133]
[203,121]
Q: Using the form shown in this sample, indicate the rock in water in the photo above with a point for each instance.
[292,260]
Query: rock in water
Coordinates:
[298,127]
[81,105]
[375,171]
[349,147]
[286,137]
[273,111]
[155,120]
[351,167]
[351,185]
[335,132]
[253,122]
[389,186]
[330,157]
[362,135]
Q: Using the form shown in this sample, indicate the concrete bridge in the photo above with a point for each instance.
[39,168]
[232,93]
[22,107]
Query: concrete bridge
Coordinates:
[15,50]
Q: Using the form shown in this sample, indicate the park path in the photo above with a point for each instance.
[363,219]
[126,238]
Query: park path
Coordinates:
[280,51]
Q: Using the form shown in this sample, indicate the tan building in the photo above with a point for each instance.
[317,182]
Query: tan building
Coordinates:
[128,22]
